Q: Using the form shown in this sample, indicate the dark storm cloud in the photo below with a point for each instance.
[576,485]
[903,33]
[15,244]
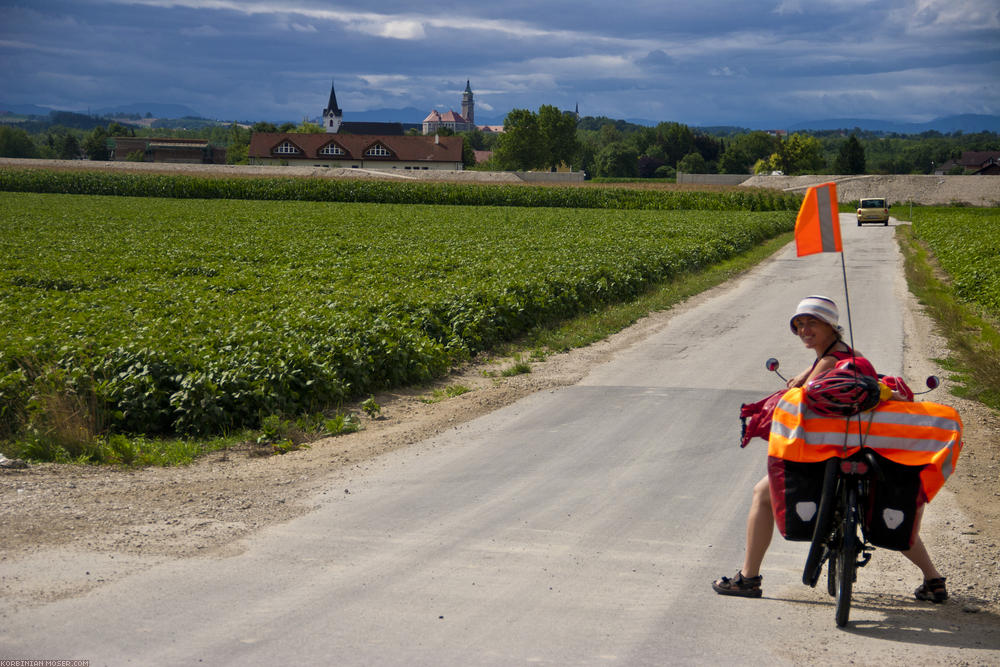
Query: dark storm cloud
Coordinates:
[711,62]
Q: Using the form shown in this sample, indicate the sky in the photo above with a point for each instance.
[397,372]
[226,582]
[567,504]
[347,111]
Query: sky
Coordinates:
[750,63]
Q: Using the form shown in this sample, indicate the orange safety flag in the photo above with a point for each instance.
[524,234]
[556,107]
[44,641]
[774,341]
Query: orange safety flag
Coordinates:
[915,434]
[817,228]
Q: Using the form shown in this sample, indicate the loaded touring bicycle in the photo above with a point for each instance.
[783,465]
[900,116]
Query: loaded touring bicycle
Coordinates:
[853,480]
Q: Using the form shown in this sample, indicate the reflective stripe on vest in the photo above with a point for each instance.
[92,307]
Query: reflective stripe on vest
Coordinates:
[916,434]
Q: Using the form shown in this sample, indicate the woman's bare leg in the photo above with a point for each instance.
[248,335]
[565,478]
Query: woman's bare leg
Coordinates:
[760,528]
[918,554]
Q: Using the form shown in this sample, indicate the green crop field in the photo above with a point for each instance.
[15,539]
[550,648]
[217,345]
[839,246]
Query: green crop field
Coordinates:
[195,316]
[966,242]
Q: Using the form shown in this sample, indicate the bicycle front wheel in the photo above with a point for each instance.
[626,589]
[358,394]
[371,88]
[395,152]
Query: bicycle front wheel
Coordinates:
[847,557]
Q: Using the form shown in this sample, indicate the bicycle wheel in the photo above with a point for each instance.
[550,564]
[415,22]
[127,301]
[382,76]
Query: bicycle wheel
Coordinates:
[831,573]
[821,533]
[847,557]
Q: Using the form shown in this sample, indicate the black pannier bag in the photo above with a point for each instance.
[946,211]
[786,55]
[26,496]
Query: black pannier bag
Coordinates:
[796,489]
[893,505]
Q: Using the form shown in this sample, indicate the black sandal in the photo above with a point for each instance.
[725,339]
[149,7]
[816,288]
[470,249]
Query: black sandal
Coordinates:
[932,590]
[746,587]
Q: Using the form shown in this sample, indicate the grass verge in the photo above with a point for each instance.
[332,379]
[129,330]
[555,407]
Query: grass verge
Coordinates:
[974,340]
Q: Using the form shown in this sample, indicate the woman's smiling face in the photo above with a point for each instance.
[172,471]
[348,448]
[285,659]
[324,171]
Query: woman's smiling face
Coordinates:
[814,332]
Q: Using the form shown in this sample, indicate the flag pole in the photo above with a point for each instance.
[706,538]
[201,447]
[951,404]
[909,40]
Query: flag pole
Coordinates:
[847,301]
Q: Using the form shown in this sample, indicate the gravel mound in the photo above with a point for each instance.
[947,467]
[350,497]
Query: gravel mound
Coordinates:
[918,189]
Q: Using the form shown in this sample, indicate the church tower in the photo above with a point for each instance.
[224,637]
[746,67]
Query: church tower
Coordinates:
[332,114]
[468,106]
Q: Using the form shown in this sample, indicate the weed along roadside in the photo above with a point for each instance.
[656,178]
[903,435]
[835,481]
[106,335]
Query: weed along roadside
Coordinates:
[148,324]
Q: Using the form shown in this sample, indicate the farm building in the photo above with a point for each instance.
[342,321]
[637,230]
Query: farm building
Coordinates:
[362,151]
[177,151]
[982,163]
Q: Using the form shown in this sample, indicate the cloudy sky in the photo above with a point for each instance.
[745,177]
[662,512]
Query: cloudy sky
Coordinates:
[704,62]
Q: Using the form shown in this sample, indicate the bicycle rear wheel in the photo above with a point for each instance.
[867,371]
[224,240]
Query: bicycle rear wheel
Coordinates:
[831,575]
[818,549]
[847,557]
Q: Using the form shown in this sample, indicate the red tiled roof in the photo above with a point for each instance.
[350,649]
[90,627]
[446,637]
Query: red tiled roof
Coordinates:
[402,148]
[448,117]
[452,117]
[975,159]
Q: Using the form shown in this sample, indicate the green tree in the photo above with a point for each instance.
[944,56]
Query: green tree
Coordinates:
[558,136]
[588,150]
[764,165]
[237,144]
[609,134]
[308,128]
[665,172]
[67,147]
[677,141]
[96,144]
[617,160]
[744,150]
[478,140]
[468,154]
[851,158]
[15,142]
[262,126]
[799,154]
[692,163]
[237,153]
[520,145]
[117,130]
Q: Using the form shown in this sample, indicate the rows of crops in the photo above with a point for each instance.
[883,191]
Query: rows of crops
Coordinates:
[966,242]
[195,316]
[371,191]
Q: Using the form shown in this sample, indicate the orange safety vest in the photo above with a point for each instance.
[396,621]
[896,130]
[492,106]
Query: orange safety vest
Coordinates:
[916,434]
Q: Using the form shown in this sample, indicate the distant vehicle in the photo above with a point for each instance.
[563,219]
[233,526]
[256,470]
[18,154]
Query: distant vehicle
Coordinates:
[873,210]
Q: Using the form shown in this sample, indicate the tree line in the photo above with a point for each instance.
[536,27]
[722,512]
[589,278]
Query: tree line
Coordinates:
[549,139]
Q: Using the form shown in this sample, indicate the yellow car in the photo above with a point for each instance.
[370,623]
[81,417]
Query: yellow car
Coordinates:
[873,210]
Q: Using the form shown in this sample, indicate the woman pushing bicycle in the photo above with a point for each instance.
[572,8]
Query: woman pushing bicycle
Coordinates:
[816,323]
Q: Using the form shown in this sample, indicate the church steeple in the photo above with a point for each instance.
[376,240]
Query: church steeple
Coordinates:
[468,106]
[332,114]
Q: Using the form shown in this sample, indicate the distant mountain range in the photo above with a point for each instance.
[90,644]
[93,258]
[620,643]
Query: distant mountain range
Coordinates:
[967,123]
[960,123]
[155,109]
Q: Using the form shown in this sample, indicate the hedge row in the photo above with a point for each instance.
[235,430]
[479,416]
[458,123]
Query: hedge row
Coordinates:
[181,186]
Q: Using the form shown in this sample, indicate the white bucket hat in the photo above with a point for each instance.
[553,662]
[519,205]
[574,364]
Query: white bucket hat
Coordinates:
[821,308]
